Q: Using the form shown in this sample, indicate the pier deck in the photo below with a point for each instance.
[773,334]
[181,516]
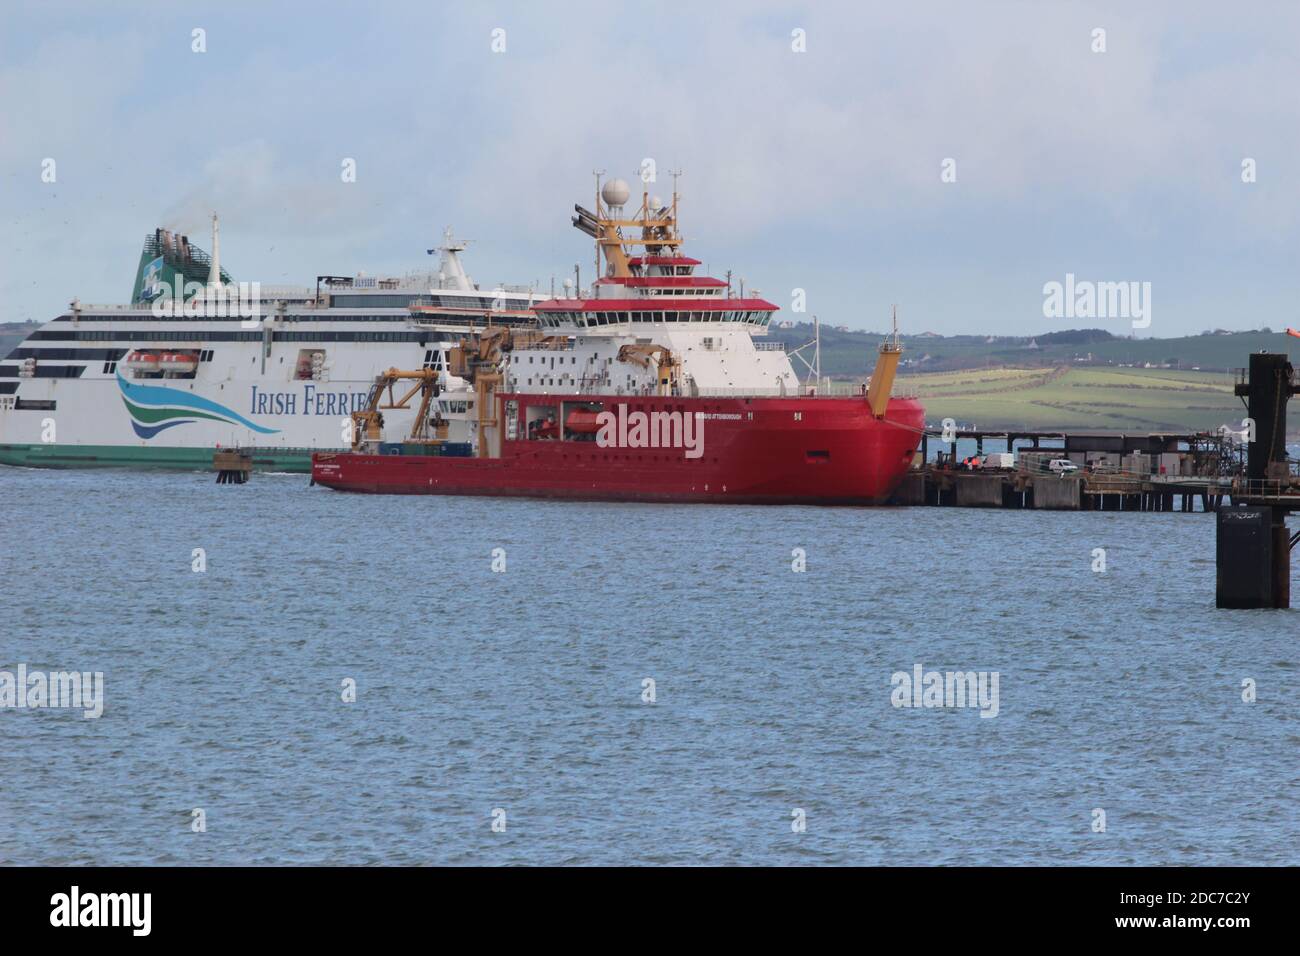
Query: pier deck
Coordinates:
[1204,465]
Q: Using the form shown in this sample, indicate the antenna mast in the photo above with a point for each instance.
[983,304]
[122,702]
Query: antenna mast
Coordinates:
[600,214]
[677,229]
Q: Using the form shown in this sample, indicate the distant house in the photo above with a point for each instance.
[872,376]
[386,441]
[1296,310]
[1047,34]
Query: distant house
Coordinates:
[841,328]
[787,324]
[1033,344]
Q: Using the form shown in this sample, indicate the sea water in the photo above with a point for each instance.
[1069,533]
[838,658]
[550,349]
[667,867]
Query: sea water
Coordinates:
[297,675]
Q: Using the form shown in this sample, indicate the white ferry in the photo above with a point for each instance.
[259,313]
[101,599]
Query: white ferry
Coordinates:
[137,385]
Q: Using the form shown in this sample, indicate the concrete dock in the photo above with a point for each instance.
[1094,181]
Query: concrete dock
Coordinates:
[1079,492]
[1117,471]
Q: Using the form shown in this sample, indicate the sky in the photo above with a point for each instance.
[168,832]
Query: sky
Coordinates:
[813,141]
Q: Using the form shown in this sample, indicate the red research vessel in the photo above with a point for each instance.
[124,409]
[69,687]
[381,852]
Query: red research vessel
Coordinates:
[654,385]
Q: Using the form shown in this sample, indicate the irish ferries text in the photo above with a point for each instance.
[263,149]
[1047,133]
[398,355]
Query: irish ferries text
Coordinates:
[315,400]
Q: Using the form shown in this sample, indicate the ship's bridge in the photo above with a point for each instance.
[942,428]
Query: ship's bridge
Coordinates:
[649,324]
[620,303]
[662,265]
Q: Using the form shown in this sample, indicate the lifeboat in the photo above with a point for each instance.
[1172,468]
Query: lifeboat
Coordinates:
[582,421]
[142,361]
[178,362]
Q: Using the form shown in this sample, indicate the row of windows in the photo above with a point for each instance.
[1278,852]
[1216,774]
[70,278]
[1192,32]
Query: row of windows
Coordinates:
[45,371]
[588,319]
[167,335]
[312,316]
[657,291]
[47,355]
[573,360]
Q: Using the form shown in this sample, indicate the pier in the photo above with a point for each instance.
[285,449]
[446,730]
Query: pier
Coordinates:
[1250,486]
[1085,492]
[1116,471]
[232,466]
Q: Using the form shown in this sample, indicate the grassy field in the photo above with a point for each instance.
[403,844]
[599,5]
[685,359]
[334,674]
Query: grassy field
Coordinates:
[849,354]
[1078,398]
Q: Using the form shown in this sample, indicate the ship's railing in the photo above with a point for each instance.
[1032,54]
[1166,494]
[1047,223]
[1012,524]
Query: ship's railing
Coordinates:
[1241,376]
[825,390]
[799,391]
[88,307]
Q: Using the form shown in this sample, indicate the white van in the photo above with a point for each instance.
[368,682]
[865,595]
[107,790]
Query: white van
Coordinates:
[1062,466]
[1000,459]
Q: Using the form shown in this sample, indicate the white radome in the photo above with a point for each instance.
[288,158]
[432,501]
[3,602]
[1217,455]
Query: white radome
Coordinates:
[616,192]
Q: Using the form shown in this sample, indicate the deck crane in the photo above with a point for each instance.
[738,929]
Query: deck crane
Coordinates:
[667,363]
[368,423]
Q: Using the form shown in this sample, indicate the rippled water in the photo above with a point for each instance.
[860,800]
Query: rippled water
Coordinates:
[523,690]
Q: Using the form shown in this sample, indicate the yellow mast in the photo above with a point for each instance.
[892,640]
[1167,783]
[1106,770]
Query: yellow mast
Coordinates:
[882,379]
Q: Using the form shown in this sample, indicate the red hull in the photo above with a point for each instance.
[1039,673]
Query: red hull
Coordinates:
[763,451]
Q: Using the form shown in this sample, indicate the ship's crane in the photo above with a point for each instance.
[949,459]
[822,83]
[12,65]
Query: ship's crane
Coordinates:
[483,352]
[368,423]
[479,360]
[667,363]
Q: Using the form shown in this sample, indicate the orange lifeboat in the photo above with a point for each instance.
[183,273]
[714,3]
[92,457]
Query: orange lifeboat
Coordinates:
[582,421]
[178,362]
[142,361]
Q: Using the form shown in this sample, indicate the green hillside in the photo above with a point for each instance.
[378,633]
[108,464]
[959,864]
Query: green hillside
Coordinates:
[1079,398]
[853,354]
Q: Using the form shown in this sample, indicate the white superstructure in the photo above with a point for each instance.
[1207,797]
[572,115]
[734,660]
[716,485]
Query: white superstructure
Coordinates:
[133,385]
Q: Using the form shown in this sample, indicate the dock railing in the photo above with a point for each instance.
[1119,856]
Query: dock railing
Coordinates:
[1266,488]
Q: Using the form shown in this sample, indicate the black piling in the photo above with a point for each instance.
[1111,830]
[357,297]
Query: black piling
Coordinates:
[1253,546]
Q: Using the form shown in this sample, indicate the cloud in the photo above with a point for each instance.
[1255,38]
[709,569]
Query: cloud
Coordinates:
[811,169]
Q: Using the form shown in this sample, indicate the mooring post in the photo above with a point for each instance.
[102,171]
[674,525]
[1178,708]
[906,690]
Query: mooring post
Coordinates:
[1252,570]
[1252,546]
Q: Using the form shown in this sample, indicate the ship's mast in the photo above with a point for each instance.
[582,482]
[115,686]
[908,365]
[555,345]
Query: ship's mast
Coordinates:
[450,268]
[597,173]
[606,224]
[214,270]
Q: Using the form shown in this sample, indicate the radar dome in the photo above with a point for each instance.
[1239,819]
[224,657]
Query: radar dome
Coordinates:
[616,192]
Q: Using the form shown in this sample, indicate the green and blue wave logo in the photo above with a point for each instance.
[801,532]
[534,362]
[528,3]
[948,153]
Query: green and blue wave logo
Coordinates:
[154,408]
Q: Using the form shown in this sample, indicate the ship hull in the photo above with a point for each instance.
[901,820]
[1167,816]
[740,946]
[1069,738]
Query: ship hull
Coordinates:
[165,458]
[828,451]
